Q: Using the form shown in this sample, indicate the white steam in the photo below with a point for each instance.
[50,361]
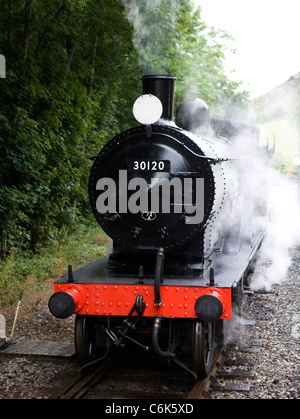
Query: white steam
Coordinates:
[264,188]
[283,228]
[153,24]
[259,198]
[282,233]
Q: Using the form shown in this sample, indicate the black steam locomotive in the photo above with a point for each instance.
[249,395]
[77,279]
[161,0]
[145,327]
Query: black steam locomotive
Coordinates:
[170,198]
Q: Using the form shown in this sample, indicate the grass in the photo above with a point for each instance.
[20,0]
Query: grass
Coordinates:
[27,271]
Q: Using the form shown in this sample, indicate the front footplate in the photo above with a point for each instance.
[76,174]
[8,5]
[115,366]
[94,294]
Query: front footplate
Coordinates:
[117,300]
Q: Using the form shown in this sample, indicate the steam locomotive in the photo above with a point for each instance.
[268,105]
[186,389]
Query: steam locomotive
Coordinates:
[184,235]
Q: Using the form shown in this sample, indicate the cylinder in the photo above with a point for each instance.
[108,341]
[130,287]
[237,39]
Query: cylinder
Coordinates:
[162,87]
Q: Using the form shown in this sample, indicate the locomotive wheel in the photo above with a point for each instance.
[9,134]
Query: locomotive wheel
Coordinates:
[90,343]
[203,346]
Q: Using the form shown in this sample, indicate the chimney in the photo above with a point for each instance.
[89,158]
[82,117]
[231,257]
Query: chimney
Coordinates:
[163,88]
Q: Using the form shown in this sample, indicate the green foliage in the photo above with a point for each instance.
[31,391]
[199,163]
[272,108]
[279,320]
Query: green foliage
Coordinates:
[72,76]
[59,104]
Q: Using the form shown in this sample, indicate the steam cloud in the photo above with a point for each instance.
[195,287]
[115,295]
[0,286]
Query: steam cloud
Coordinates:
[153,23]
[273,200]
[282,233]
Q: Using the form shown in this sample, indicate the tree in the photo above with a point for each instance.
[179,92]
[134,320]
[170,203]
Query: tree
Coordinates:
[72,76]
[53,115]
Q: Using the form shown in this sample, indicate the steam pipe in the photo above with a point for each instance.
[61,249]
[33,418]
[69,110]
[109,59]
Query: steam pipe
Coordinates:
[156,347]
[158,276]
[166,354]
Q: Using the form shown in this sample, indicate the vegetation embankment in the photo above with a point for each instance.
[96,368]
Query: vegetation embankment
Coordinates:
[27,271]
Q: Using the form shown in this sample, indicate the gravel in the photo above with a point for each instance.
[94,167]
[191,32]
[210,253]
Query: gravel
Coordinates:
[276,329]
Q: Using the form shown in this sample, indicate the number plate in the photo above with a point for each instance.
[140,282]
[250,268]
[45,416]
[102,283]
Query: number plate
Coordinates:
[149,166]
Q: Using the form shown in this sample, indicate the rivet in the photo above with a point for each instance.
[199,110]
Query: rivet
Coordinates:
[110,304]
[105,287]
[185,313]
[185,306]
[171,305]
[185,297]
[119,304]
[179,305]
[116,287]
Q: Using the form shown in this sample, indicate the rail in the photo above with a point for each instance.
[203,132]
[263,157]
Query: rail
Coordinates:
[203,385]
[80,384]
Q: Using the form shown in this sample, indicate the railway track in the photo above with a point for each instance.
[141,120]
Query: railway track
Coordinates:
[201,387]
[83,381]
[129,379]
[229,375]
[127,376]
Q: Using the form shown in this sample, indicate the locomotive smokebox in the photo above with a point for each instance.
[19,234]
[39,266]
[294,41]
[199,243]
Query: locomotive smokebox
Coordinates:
[162,87]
